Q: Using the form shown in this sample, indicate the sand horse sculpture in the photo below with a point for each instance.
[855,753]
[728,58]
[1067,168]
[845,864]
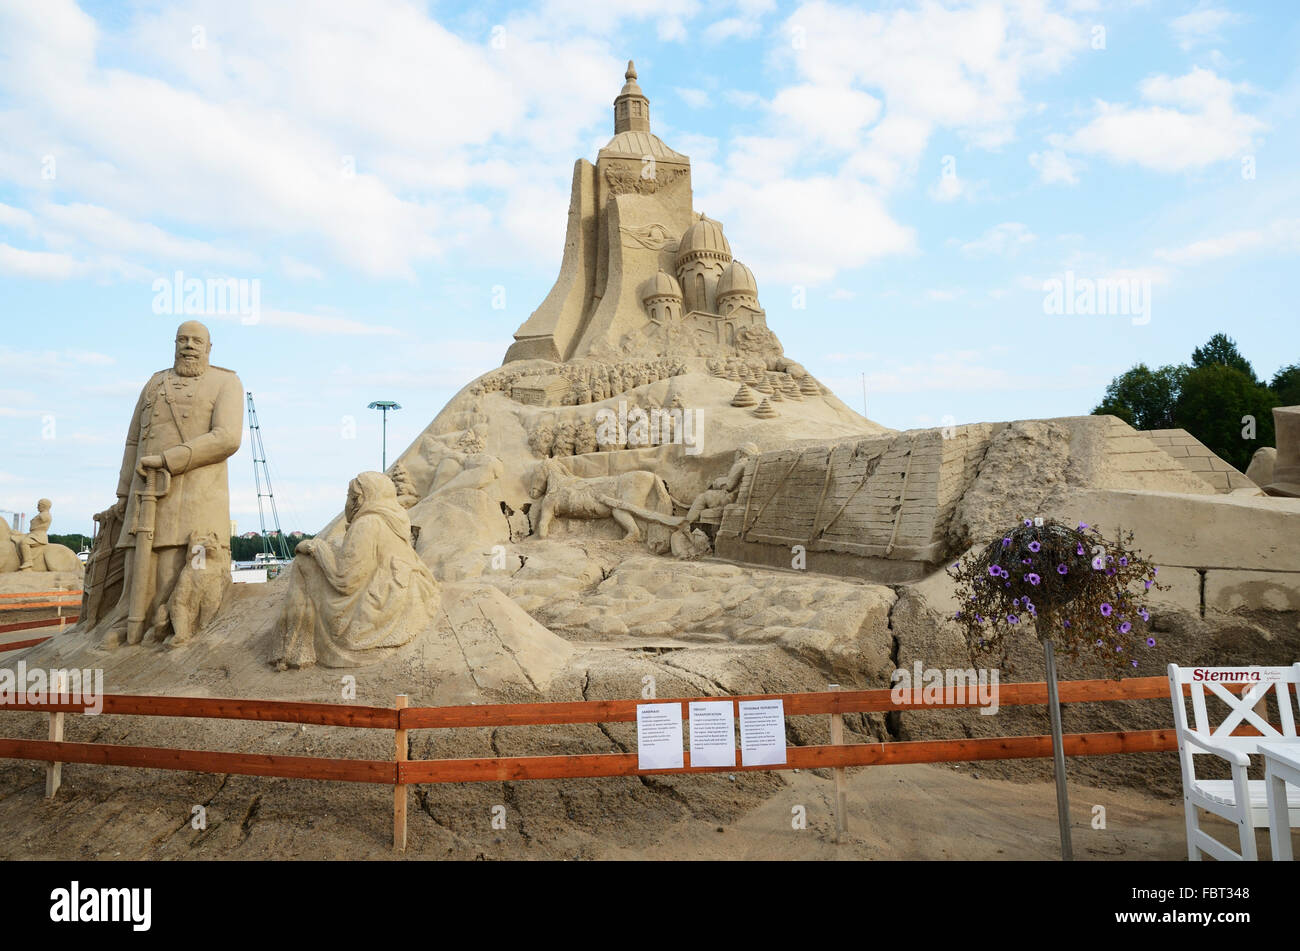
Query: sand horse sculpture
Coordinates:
[46,557]
[623,498]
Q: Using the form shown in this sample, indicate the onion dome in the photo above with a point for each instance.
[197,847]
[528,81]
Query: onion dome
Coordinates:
[737,279]
[662,284]
[704,239]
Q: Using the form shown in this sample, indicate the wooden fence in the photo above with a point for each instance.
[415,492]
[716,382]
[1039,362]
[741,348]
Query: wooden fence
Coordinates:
[400,772]
[63,600]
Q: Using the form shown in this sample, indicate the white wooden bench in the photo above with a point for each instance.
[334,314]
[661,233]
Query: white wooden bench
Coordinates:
[1239,800]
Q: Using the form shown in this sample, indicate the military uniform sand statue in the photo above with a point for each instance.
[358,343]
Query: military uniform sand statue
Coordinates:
[173,500]
[354,603]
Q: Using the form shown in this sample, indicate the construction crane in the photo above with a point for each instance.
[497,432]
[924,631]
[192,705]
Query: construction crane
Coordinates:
[262,474]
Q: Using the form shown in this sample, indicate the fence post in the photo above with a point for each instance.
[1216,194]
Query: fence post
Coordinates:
[58,598]
[841,786]
[54,770]
[399,788]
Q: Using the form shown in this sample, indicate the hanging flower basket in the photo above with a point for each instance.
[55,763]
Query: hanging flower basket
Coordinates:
[1074,586]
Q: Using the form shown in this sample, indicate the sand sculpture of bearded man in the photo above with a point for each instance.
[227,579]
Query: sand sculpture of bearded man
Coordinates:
[188,421]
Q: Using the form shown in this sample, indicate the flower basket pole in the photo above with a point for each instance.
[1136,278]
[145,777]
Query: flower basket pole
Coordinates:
[1080,591]
[1058,752]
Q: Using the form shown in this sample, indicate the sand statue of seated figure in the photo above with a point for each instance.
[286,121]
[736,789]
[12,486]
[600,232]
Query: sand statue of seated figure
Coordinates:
[351,604]
[37,537]
[723,490]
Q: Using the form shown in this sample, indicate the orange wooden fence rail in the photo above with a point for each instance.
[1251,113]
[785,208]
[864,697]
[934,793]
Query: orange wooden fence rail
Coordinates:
[40,594]
[400,772]
[29,625]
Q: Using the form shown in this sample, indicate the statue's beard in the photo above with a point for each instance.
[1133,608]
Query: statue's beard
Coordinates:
[190,366]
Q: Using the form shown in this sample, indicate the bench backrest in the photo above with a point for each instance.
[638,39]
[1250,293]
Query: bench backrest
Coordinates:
[1241,708]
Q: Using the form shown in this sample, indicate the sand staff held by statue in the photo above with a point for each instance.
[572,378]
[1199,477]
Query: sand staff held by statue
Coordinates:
[156,483]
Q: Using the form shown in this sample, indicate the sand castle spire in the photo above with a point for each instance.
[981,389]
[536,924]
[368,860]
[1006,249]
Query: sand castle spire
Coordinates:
[631,108]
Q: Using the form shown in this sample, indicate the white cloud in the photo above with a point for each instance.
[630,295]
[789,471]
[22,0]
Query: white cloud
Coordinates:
[825,116]
[1192,121]
[1004,240]
[297,270]
[1055,167]
[1282,235]
[695,98]
[731,28]
[42,265]
[1201,26]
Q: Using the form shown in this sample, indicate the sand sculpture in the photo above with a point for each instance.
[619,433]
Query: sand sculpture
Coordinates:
[32,551]
[172,494]
[353,603]
[624,498]
[1286,467]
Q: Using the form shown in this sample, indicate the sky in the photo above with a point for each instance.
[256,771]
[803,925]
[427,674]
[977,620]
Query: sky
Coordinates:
[391,179]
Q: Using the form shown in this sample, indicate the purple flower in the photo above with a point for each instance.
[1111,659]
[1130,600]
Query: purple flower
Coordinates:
[1012,619]
[956,616]
[1034,547]
[1026,561]
[1083,526]
[1032,578]
[980,618]
[1029,523]
[1148,585]
[1119,648]
[1098,642]
[1079,550]
[1155,571]
[1151,642]
[1123,562]
[1067,623]
[1109,572]
[1143,612]
[1135,663]
[1007,585]
[1006,543]
[1061,570]
[1106,609]
[1125,627]
[996,572]
[1015,602]
[1033,611]
[1098,563]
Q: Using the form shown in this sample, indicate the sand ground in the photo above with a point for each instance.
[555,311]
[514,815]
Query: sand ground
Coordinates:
[902,813]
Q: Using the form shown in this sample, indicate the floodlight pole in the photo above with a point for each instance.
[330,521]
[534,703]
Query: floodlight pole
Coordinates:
[385,406]
[1058,754]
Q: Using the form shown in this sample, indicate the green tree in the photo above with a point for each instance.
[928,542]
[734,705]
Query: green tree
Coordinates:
[1213,404]
[1286,385]
[1222,349]
[1144,398]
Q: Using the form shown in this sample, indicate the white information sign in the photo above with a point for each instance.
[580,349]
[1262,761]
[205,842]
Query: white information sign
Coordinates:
[713,733]
[762,732]
[659,736]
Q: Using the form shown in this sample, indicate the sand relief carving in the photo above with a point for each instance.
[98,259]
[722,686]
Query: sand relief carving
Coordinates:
[33,551]
[354,602]
[624,498]
[172,502]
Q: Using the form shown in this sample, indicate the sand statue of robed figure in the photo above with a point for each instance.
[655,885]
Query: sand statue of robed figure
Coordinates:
[354,602]
[173,501]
